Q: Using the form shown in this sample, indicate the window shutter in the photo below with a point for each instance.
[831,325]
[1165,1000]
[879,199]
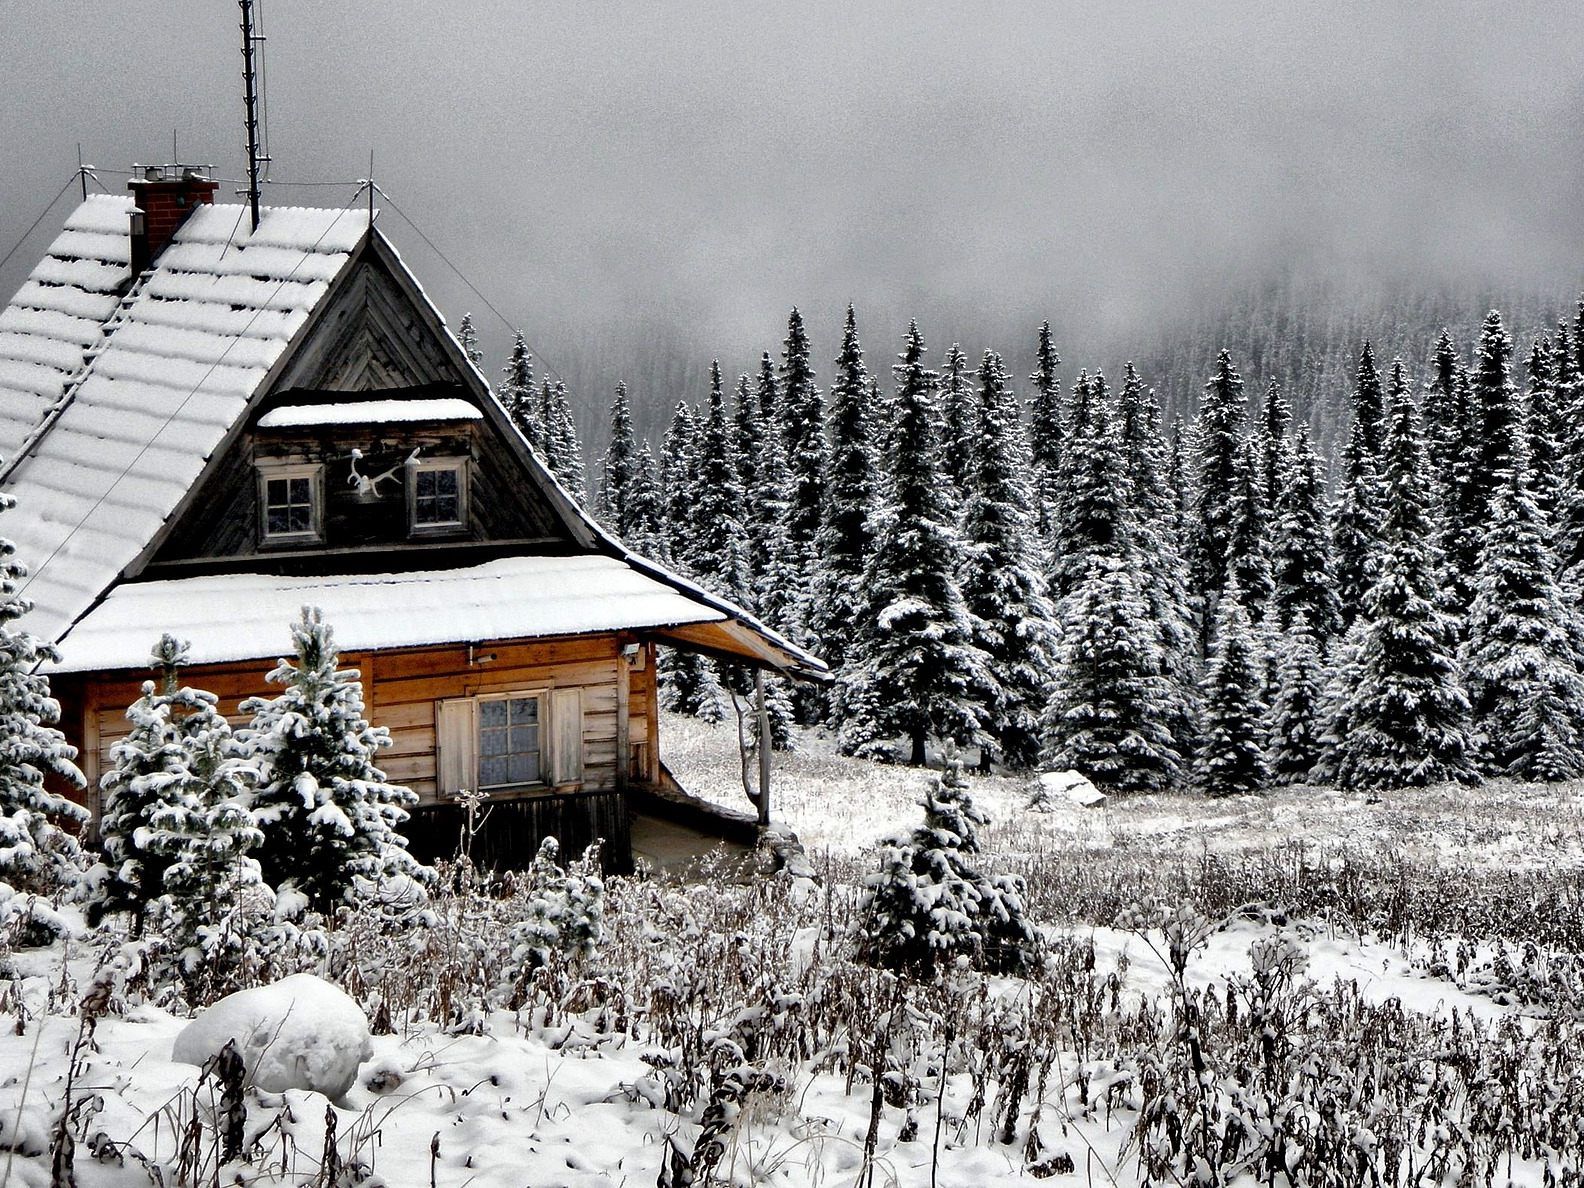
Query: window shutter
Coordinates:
[566,735]
[456,739]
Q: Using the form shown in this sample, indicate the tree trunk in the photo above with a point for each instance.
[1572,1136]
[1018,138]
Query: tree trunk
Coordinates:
[917,758]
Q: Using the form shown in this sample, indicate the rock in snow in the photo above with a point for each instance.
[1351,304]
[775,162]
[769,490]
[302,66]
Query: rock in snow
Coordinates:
[298,1033]
[1072,786]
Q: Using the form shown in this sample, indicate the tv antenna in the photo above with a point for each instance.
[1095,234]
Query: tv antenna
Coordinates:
[252,61]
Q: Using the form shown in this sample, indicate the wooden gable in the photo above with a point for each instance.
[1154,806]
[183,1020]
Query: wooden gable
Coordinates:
[371,341]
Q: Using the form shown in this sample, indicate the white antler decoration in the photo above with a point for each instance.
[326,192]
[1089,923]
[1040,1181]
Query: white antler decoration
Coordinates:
[368,485]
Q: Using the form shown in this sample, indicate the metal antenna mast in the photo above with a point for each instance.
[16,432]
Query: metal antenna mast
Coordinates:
[250,106]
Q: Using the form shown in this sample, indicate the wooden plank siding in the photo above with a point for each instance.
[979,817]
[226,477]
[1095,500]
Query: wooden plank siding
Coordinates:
[401,689]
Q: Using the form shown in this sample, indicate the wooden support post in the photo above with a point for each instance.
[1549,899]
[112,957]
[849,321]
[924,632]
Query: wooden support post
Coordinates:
[764,747]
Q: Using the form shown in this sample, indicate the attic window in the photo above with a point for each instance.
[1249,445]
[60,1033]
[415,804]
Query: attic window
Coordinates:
[290,503]
[437,491]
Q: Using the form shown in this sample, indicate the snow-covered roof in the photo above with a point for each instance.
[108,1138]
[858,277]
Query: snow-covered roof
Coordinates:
[163,381]
[58,315]
[158,374]
[245,616]
[370,412]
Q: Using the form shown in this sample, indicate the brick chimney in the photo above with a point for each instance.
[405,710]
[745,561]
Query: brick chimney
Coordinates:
[165,196]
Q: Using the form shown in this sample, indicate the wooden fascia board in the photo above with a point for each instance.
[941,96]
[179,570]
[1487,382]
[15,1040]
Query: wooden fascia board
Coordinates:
[735,642]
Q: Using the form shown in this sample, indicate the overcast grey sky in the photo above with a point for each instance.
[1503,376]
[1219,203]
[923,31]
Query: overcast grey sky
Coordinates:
[681,172]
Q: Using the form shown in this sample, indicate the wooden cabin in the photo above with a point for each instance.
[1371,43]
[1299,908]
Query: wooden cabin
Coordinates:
[207,428]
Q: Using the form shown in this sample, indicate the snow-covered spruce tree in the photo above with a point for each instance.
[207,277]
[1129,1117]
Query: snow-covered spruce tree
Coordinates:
[644,511]
[618,469]
[928,905]
[36,855]
[1405,712]
[1219,432]
[1301,548]
[748,441]
[1444,423]
[781,601]
[959,420]
[1249,544]
[1520,658]
[678,466]
[915,663]
[1463,505]
[1295,737]
[1094,492]
[1155,523]
[563,451]
[1568,527]
[148,785]
[1274,442]
[1002,583]
[518,395]
[1369,406]
[1495,412]
[688,681]
[846,534]
[690,685]
[467,338]
[802,424]
[1356,523]
[1111,704]
[331,820]
[1046,418]
[1548,428]
[1231,756]
[719,537]
[721,564]
[213,895]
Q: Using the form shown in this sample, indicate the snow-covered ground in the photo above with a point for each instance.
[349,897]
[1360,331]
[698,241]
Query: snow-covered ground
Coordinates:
[846,805]
[566,1104]
[715,976]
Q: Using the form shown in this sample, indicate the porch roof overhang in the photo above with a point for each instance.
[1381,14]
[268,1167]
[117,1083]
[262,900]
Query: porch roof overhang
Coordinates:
[245,616]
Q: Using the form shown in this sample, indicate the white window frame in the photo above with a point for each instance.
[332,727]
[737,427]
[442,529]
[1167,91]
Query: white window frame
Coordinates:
[561,758]
[269,472]
[417,466]
[539,695]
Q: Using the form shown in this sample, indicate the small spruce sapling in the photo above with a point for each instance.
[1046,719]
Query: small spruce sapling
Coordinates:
[148,788]
[564,910]
[330,818]
[928,905]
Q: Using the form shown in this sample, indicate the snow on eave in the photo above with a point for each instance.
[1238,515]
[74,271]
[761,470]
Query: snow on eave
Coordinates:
[442,408]
[235,617]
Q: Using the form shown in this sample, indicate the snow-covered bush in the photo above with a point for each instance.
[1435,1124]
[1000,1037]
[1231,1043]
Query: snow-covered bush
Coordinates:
[927,905]
[329,816]
[565,910]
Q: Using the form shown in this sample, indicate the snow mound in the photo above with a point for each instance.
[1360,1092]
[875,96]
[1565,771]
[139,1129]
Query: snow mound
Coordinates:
[1055,786]
[298,1033]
